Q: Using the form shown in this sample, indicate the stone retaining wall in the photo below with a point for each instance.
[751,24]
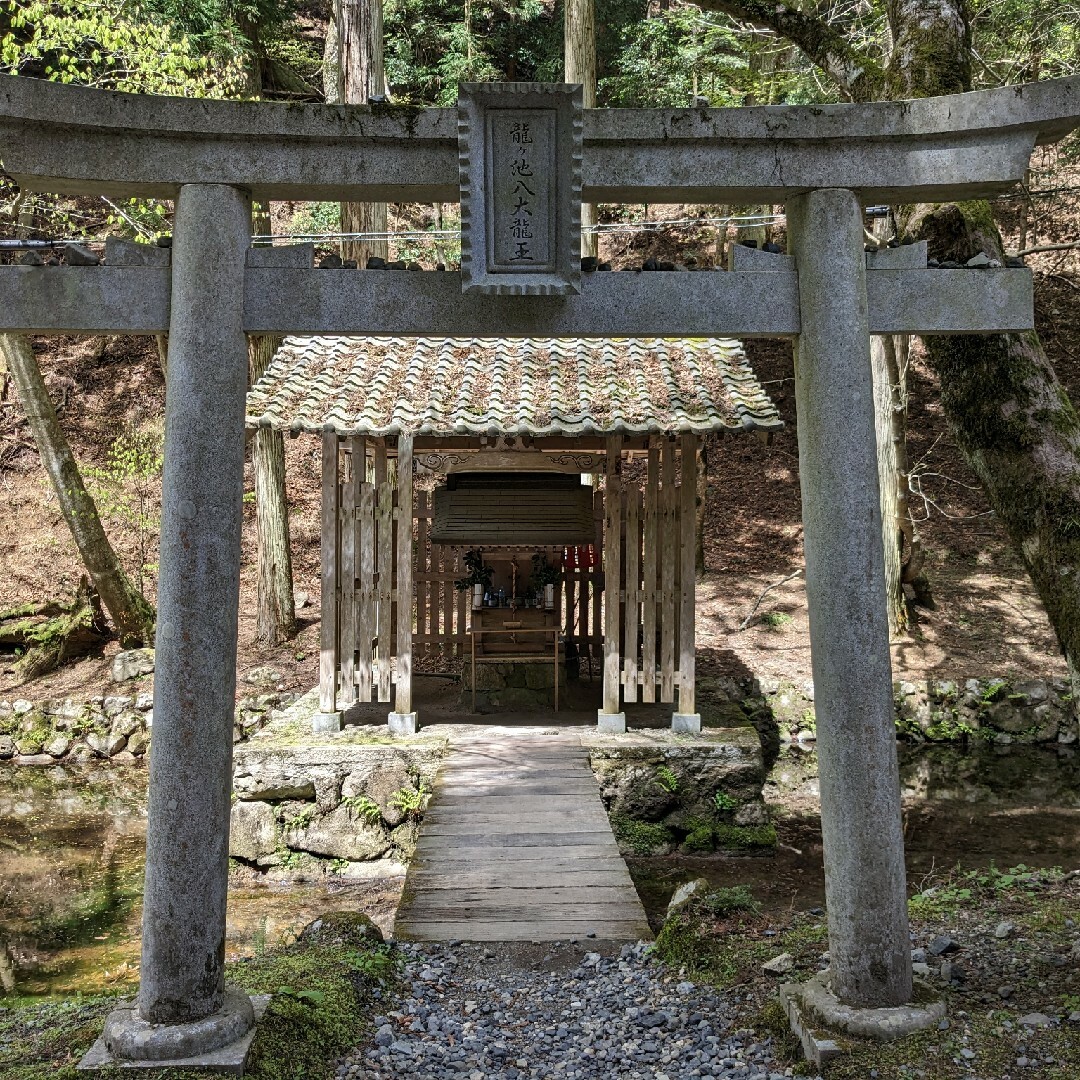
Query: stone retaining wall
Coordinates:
[997,711]
[338,806]
[114,727]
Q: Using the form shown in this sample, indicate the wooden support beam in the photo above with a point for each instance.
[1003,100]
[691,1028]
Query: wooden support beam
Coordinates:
[403,682]
[669,546]
[328,631]
[648,592]
[365,622]
[632,604]
[347,526]
[612,576]
[687,522]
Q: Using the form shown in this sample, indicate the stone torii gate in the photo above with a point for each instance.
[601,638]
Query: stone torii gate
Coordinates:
[213,157]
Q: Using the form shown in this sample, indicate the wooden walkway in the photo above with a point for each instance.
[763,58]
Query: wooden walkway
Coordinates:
[516,846]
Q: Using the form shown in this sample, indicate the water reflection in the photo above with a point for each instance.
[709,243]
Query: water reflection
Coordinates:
[72,846]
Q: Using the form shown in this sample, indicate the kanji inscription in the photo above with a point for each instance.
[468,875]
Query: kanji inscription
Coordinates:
[520,155]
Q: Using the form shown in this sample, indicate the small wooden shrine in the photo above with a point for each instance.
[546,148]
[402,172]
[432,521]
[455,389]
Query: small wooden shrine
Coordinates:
[565,463]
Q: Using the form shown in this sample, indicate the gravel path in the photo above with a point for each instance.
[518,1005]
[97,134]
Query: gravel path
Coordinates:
[501,1012]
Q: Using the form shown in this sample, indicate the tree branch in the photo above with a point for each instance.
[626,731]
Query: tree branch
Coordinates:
[858,76]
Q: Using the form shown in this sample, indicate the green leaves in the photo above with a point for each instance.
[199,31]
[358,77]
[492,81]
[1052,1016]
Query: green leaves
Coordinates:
[308,997]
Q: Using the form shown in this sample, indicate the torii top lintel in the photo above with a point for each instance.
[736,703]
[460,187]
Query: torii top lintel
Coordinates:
[76,140]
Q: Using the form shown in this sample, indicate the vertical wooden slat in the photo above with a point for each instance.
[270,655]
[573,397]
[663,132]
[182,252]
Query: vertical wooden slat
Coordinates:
[595,631]
[365,622]
[687,522]
[403,697]
[612,571]
[632,623]
[347,589]
[385,554]
[668,551]
[328,630]
[423,585]
[648,592]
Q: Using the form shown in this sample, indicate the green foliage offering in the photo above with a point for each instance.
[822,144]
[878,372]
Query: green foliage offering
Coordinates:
[666,778]
[642,837]
[112,45]
[411,801]
[544,572]
[478,572]
[363,807]
[127,491]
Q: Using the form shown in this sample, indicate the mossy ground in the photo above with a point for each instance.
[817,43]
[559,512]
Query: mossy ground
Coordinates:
[711,942]
[299,1038]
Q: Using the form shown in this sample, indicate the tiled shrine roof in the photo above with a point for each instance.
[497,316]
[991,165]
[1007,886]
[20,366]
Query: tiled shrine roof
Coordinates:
[510,386]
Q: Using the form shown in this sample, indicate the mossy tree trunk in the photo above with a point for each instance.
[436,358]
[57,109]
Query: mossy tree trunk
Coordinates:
[1009,414]
[128,608]
[1017,429]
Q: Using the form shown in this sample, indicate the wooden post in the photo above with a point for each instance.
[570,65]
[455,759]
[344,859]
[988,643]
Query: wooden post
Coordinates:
[686,719]
[365,622]
[610,718]
[669,546]
[328,718]
[403,720]
[347,607]
[648,594]
[632,609]
[385,555]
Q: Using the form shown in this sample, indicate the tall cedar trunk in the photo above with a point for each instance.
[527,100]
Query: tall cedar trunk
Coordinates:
[361,77]
[579,60]
[132,615]
[1017,428]
[275,618]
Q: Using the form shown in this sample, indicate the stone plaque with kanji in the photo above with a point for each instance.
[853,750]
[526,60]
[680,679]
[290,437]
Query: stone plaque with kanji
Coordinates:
[520,156]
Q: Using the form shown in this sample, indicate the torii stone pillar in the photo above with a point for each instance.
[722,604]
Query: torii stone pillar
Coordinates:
[182,977]
[865,881]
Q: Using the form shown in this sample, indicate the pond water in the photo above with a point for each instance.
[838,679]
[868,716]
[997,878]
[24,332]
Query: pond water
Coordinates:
[72,844]
[962,807]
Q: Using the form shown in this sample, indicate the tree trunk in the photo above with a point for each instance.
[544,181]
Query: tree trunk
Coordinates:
[1017,428]
[275,617]
[579,60]
[360,48]
[130,612]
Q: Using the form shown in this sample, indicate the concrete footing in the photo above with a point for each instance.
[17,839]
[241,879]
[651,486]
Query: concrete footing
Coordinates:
[328,721]
[606,721]
[813,1002]
[219,1043]
[402,723]
[689,722]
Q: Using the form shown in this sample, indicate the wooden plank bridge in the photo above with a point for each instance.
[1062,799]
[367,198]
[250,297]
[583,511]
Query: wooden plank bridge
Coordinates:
[516,846]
